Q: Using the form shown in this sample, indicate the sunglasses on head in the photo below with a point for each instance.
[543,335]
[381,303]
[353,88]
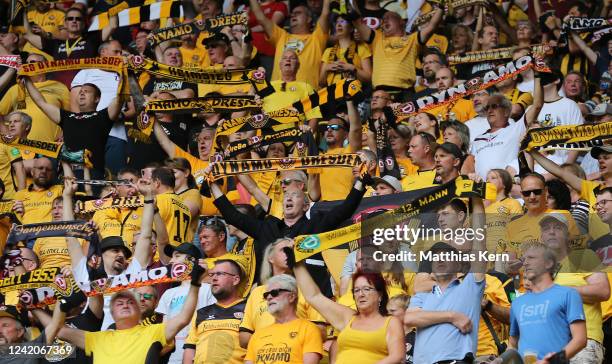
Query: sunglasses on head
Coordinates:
[274,293]
[536,192]
[287,181]
[213,221]
[492,107]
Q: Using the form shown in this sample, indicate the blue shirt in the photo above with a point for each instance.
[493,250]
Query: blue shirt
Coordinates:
[547,314]
[445,341]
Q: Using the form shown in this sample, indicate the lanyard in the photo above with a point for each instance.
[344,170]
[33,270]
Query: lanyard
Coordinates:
[69,48]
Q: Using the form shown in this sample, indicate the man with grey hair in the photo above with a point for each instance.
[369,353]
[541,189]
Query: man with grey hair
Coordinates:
[17,124]
[499,146]
[548,310]
[295,339]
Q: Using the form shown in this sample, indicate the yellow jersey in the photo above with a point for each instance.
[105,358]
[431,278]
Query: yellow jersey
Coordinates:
[176,217]
[119,222]
[43,128]
[498,215]
[336,183]
[50,21]
[597,228]
[195,58]
[395,60]
[38,204]
[284,343]
[462,109]
[8,155]
[422,179]
[123,346]
[53,252]
[354,55]
[308,47]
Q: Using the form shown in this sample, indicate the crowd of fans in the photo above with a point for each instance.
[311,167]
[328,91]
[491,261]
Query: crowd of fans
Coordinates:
[248,300]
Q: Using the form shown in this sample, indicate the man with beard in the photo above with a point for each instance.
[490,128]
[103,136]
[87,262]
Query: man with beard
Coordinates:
[448,158]
[213,335]
[461,110]
[292,338]
[432,61]
[17,124]
[421,151]
[34,204]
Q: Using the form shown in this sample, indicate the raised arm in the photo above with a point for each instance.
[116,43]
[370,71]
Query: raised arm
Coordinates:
[479,266]
[113,23]
[6,78]
[247,182]
[323,21]
[586,50]
[142,250]
[52,111]
[364,31]
[531,115]
[355,129]
[74,248]
[165,143]
[267,24]
[251,227]
[184,317]
[114,108]
[29,35]
[20,174]
[571,179]
[428,30]
[336,314]
[345,209]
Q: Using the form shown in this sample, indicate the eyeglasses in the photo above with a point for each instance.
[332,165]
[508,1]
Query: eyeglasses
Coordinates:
[145,296]
[73,18]
[601,203]
[274,293]
[288,181]
[334,127]
[365,290]
[528,193]
[380,97]
[492,107]
[220,274]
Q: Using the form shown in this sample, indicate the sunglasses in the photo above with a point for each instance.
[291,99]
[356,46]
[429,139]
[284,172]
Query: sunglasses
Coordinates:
[528,193]
[73,18]
[220,274]
[145,296]
[274,293]
[288,181]
[334,127]
[492,107]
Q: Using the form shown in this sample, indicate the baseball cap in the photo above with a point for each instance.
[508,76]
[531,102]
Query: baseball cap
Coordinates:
[389,181]
[555,216]
[114,242]
[185,248]
[442,246]
[5,29]
[601,110]
[216,39]
[452,149]
[596,151]
[10,312]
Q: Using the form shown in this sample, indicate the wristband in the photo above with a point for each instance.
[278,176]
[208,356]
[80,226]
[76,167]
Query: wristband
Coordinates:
[149,201]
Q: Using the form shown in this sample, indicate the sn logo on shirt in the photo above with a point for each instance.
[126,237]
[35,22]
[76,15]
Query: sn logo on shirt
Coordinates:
[536,313]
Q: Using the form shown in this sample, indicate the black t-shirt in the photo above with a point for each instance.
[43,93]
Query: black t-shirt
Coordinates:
[86,321]
[85,46]
[88,130]
[156,84]
[143,152]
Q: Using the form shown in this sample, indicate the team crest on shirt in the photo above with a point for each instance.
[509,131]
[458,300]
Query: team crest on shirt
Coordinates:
[295,45]
[293,334]
[49,193]
[134,216]
[98,203]
[239,315]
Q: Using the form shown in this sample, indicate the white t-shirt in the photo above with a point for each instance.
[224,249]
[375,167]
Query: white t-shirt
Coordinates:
[526,86]
[82,277]
[499,149]
[477,126]
[561,112]
[108,83]
[170,305]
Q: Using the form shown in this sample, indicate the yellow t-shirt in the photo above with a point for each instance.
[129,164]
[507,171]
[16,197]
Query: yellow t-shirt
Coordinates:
[8,155]
[358,346]
[419,180]
[394,288]
[53,252]
[526,229]
[285,343]
[194,58]
[214,334]
[257,317]
[494,292]
[395,60]
[294,91]
[406,167]
[592,311]
[43,128]
[176,217]
[194,196]
[352,55]
[37,204]
[309,49]
[123,346]
[463,110]
[498,215]
[119,222]
[336,183]
[597,228]
[50,22]
[521,98]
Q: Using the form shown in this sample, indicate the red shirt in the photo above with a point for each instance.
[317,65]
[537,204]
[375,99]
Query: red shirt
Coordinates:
[259,38]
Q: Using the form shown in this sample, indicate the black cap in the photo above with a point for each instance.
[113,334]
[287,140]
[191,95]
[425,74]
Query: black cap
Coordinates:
[596,151]
[10,312]
[216,38]
[114,242]
[452,149]
[442,246]
[5,29]
[185,248]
